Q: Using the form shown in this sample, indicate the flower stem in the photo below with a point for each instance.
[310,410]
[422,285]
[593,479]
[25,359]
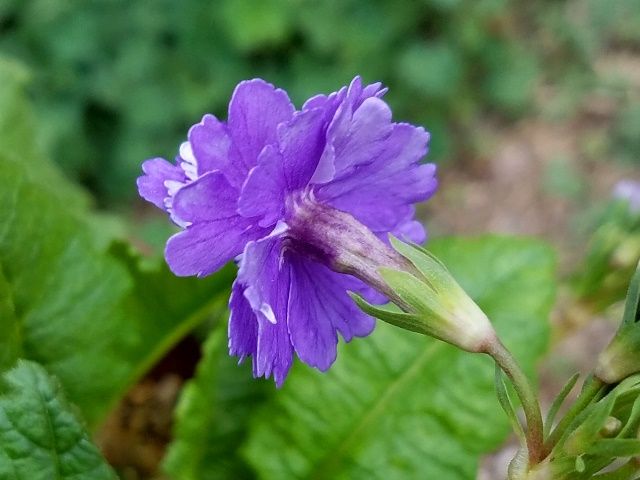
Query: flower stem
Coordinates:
[590,391]
[534,434]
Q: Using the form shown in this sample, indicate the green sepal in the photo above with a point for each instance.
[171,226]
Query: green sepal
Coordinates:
[415,293]
[633,419]
[615,447]
[632,304]
[390,314]
[558,401]
[434,271]
[625,472]
[432,301]
[587,433]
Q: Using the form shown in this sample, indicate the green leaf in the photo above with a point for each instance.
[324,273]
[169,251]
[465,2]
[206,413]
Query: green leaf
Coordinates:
[95,316]
[41,435]
[615,447]
[391,314]
[9,326]
[399,405]
[632,303]
[212,416]
[558,401]
[588,431]
[507,404]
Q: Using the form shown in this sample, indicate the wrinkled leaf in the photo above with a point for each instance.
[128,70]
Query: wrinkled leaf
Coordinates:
[41,435]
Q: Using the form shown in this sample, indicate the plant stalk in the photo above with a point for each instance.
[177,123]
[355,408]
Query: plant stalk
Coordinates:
[534,434]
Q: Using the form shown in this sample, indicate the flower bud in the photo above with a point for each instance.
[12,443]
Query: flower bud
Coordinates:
[621,357]
[433,303]
[611,427]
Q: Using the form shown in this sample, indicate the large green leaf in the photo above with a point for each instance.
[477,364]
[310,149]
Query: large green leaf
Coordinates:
[212,416]
[9,326]
[41,436]
[20,140]
[95,316]
[401,405]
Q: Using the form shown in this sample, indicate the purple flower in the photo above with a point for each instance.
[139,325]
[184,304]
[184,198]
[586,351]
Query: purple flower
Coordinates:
[285,193]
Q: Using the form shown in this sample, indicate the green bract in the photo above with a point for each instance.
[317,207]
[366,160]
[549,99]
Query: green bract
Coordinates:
[433,302]
[621,358]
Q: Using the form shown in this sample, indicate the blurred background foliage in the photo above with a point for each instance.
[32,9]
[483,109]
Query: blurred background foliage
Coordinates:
[113,82]
[117,81]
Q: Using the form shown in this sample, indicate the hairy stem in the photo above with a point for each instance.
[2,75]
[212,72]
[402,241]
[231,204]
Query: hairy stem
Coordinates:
[534,434]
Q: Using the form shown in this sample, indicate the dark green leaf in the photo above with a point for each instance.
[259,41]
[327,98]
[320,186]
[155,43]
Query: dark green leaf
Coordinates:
[41,436]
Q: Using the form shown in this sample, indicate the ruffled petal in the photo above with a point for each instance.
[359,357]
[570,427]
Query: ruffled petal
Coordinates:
[284,169]
[210,144]
[381,193]
[214,233]
[354,138]
[255,110]
[410,231]
[205,247]
[209,198]
[263,194]
[301,142]
[152,185]
[319,307]
[243,325]
[266,281]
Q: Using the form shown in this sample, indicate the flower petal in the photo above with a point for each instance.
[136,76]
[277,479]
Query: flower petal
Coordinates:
[319,307]
[301,142]
[151,186]
[210,144]
[255,110]
[266,279]
[410,231]
[264,191]
[285,169]
[243,325]
[204,247]
[354,137]
[380,193]
[209,198]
